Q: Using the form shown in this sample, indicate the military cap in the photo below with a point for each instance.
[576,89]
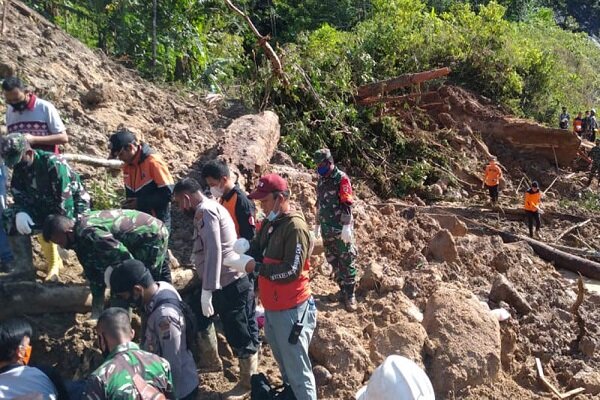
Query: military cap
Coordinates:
[322,155]
[12,148]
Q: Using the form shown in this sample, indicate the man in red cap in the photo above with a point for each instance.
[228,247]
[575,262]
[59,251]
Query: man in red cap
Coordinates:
[281,250]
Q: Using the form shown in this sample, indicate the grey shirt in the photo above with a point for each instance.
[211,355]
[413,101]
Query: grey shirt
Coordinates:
[165,336]
[214,236]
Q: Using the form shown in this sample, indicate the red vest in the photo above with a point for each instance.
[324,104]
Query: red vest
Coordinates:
[277,296]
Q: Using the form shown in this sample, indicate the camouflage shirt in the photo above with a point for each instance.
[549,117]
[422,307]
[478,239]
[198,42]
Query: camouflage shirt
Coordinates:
[48,186]
[114,378]
[105,238]
[595,155]
[334,202]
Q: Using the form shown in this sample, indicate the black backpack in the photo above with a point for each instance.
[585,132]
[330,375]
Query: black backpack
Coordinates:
[262,389]
[191,325]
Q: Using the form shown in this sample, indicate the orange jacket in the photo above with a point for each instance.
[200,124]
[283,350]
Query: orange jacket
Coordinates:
[578,125]
[493,174]
[532,200]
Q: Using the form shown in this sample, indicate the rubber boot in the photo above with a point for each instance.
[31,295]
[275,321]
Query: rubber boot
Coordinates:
[50,252]
[248,367]
[208,354]
[350,298]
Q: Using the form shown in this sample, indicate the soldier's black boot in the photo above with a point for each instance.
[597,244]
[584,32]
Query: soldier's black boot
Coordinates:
[349,298]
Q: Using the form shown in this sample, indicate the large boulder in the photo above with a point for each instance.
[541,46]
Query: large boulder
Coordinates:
[450,222]
[339,351]
[503,290]
[442,247]
[405,338]
[465,340]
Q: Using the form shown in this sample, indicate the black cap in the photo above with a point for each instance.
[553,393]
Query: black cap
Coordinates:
[119,140]
[535,184]
[126,275]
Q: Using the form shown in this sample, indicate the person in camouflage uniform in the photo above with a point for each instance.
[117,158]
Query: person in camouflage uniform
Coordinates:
[334,218]
[103,239]
[127,371]
[42,184]
[595,156]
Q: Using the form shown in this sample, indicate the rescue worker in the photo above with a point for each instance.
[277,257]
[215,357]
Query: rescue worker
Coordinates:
[334,220]
[586,122]
[563,119]
[595,156]
[592,125]
[43,128]
[148,182]
[217,175]
[533,198]
[42,184]
[491,180]
[164,321]
[126,371]
[578,125]
[103,239]
[225,291]
[281,252]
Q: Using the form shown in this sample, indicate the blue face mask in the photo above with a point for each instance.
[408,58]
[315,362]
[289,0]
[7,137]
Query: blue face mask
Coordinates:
[272,215]
[323,170]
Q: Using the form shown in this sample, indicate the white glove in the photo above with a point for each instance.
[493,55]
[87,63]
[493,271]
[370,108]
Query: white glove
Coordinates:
[347,233]
[24,223]
[107,274]
[317,231]
[241,246]
[237,262]
[206,302]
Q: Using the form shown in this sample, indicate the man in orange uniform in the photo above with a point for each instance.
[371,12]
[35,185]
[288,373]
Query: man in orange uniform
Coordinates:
[217,175]
[533,198]
[578,125]
[148,182]
[491,179]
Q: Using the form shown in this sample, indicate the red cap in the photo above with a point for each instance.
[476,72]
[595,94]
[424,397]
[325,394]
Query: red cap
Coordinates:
[268,184]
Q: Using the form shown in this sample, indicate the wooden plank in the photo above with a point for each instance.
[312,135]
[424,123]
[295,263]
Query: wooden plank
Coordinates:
[381,87]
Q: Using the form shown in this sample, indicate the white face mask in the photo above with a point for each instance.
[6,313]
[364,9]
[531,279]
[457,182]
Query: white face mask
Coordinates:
[216,191]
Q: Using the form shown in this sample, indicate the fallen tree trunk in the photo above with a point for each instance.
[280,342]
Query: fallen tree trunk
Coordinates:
[28,297]
[561,259]
[381,87]
[392,99]
[93,161]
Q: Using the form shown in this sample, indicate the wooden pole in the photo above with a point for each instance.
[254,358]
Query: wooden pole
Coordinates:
[93,161]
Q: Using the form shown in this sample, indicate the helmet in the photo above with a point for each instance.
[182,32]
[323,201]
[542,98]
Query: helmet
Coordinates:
[12,148]
[397,378]
[593,111]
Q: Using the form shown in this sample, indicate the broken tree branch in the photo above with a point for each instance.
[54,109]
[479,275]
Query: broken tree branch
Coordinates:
[391,99]
[551,387]
[575,310]
[552,184]
[93,161]
[560,258]
[571,229]
[381,87]
[263,42]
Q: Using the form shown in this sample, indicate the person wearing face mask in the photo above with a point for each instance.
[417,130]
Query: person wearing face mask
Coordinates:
[281,252]
[335,223]
[37,119]
[17,378]
[42,184]
[148,182]
[227,191]
[127,371]
[225,291]
[103,239]
[164,322]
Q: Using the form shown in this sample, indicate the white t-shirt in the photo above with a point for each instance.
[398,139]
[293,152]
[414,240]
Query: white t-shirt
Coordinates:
[24,380]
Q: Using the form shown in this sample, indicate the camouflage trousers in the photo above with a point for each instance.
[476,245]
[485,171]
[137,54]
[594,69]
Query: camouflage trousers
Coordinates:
[342,257]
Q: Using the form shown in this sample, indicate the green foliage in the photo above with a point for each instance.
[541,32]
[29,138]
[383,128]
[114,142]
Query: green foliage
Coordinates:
[589,201]
[106,192]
